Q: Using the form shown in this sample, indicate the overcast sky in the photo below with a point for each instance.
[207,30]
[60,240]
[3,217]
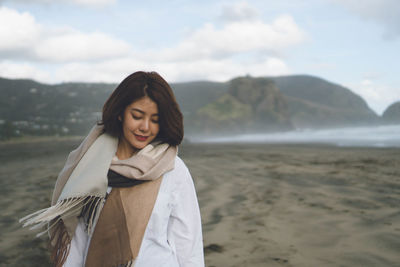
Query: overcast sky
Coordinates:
[349,42]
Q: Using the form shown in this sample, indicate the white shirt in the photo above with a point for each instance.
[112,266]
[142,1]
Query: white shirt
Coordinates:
[173,237]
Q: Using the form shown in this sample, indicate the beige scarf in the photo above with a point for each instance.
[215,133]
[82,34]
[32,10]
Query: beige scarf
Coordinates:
[81,189]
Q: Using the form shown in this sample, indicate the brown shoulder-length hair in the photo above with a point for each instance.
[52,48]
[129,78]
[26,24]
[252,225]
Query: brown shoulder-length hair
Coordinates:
[136,86]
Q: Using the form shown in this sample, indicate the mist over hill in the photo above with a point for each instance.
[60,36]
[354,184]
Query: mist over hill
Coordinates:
[243,104]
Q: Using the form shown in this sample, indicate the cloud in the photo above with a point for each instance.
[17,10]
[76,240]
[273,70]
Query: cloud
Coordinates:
[17,30]
[23,37]
[220,70]
[88,3]
[237,37]
[73,45]
[22,71]
[238,47]
[206,69]
[385,12]
[240,11]
[92,2]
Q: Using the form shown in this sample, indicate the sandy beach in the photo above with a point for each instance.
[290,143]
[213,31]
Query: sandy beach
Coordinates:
[262,205]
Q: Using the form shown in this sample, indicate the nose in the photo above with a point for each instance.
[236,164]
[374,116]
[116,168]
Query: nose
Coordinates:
[144,126]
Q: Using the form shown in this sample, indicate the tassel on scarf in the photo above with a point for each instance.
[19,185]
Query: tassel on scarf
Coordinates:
[60,241]
[91,211]
[87,206]
[128,264]
[62,244]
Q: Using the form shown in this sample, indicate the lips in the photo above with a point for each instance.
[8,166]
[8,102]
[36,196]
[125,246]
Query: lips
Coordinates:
[141,138]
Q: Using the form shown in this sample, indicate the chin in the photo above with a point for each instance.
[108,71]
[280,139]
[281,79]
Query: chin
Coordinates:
[138,146]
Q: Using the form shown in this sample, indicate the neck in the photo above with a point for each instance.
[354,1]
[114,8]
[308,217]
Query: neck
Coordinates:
[124,150]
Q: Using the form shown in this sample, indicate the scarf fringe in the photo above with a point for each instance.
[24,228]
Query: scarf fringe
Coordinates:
[128,264]
[90,212]
[63,209]
[62,244]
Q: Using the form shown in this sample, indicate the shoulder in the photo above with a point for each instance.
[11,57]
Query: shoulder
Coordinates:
[180,173]
[177,180]
[180,165]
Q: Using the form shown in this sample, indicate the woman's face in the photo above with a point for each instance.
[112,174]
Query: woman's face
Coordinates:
[139,124]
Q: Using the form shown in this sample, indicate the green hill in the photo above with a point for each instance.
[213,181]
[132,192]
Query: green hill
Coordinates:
[250,104]
[243,104]
[315,103]
[32,108]
[191,96]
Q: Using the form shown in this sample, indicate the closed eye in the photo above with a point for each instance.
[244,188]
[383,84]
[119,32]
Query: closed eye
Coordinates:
[136,117]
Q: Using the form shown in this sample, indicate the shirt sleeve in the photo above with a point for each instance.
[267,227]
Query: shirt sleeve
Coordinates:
[184,227]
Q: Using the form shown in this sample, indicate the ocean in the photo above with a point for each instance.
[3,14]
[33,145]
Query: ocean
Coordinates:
[372,136]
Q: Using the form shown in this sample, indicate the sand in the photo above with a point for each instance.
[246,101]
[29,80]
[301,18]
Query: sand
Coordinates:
[261,205]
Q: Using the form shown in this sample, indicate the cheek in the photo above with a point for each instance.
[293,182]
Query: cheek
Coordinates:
[156,129]
[129,125]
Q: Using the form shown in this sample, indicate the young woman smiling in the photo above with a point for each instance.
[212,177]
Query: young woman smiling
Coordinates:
[124,197]
[139,126]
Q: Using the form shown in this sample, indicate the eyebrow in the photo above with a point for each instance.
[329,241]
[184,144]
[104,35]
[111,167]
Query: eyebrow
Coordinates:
[142,112]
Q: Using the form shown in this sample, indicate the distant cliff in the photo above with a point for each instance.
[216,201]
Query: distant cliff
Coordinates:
[392,113]
[316,103]
[250,104]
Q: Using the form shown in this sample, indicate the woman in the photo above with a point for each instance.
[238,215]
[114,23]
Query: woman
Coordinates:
[124,197]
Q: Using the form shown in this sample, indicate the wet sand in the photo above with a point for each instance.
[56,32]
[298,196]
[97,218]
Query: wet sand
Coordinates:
[262,205]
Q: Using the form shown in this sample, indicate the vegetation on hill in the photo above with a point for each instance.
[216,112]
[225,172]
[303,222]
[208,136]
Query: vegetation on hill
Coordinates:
[251,104]
[193,95]
[31,108]
[315,103]
[268,104]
